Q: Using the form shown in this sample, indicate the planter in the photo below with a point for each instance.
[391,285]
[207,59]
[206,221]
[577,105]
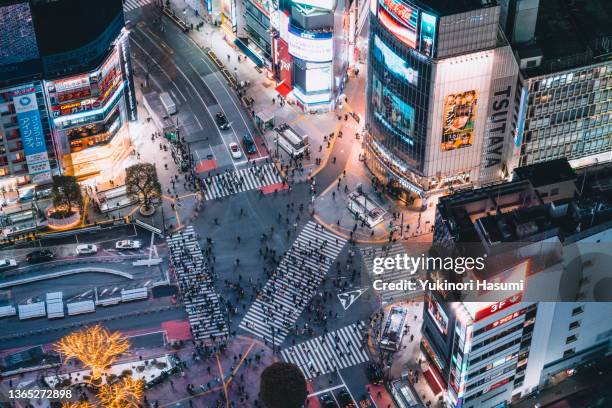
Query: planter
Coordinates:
[64,222]
[146,212]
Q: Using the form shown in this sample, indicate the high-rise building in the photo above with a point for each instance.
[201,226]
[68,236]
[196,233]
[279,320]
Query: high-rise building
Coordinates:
[565,108]
[441,90]
[72,64]
[550,227]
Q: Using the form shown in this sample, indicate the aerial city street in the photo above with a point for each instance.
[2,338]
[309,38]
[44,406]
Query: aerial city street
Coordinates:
[305,203]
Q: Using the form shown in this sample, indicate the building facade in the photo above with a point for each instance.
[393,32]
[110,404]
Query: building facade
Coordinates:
[441,97]
[66,93]
[551,228]
[566,102]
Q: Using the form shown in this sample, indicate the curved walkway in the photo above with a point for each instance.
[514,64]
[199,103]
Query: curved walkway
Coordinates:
[52,275]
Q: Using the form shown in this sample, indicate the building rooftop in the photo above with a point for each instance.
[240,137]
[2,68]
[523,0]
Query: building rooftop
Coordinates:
[550,172]
[446,7]
[570,33]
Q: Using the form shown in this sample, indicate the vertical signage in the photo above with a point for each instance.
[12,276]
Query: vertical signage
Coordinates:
[427,34]
[126,72]
[32,135]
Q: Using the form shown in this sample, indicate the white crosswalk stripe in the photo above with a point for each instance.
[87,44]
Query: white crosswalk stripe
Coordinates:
[368,254]
[196,286]
[327,353]
[129,5]
[295,281]
[233,182]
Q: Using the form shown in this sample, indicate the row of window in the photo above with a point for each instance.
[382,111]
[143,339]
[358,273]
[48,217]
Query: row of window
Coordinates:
[568,78]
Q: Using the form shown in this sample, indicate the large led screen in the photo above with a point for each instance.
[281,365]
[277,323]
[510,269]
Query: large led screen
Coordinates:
[393,62]
[318,77]
[459,118]
[395,114]
[400,19]
[427,34]
[17,38]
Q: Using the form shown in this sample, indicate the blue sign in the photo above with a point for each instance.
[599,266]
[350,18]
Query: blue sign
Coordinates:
[28,118]
[428,34]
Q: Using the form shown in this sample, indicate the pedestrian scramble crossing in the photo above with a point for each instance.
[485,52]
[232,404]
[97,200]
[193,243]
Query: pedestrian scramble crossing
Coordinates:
[245,179]
[388,296]
[327,353]
[293,284]
[129,5]
[196,286]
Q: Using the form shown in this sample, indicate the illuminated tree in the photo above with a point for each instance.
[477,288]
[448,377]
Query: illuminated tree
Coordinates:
[96,347]
[66,194]
[141,182]
[76,404]
[126,393]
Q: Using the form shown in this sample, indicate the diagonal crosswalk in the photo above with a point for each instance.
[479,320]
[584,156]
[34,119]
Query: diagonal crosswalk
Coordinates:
[129,5]
[369,253]
[245,179]
[327,353]
[196,286]
[295,281]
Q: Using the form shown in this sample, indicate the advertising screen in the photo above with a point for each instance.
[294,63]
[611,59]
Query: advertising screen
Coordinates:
[17,38]
[394,63]
[392,112]
[427,34]
[309,46]
[438,315]
[459,118]
[400,19]
[318,77]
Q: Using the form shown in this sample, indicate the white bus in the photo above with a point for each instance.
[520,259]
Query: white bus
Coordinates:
[291,142]
[392,333]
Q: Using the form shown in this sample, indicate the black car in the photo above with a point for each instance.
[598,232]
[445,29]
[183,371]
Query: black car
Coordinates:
[375,375]
[327,401]
[345,399]
[249,144]
[222,121]
[42,255]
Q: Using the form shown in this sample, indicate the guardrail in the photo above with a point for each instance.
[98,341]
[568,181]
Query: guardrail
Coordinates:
[23,281]
[172,16]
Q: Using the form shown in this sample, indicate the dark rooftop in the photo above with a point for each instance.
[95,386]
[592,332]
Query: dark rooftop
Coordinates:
[571,33]
[450,7]
[550,172]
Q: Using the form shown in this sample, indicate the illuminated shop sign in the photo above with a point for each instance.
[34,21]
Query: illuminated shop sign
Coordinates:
[393,62]
[505,319]
[438,315]
[312,99]
[391,111]
[497,307]
[459,119]
[313,47]
[427,34]
[67,119]
[400,19]
[321,4]
[373,6]
[318,77]
[32,135]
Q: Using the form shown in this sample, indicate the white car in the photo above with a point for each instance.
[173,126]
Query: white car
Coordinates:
[86,249]
[128,244]
[235,150]
[7,263]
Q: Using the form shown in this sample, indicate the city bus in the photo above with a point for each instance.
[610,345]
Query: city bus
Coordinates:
[391,335]
[291,142]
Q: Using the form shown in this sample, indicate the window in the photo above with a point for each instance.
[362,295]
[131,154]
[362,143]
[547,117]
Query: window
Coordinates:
[574,325]
[571,339]
[569,352]
[577,310]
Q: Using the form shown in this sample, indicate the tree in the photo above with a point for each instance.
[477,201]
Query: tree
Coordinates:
[283,386]
[66,194]
[126,393]
[96,347]
[141,182]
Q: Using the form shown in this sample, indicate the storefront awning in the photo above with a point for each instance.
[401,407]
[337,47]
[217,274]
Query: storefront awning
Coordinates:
[434,383]
[283,89]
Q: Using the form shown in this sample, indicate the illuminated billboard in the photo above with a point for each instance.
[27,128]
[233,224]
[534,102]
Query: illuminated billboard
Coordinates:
[427,34]
[459,117]
[438,315]
[312,47]
[395,114]
[17,38]
[318,77]
[393,62]
[320,4]
[32,135]
[400,19]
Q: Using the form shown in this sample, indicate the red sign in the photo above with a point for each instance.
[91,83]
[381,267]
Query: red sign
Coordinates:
[496,385]
[401,12]
[285,62]
[497,306]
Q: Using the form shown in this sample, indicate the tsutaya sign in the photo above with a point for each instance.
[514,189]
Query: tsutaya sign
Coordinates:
[498,127]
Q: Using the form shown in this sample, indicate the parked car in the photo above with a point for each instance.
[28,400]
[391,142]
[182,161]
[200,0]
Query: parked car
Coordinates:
[42,255]
[235,150]
[327,401]
[222,121]
[86,249]
[7,263]
[345,399]
[128,244]
[249,144]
